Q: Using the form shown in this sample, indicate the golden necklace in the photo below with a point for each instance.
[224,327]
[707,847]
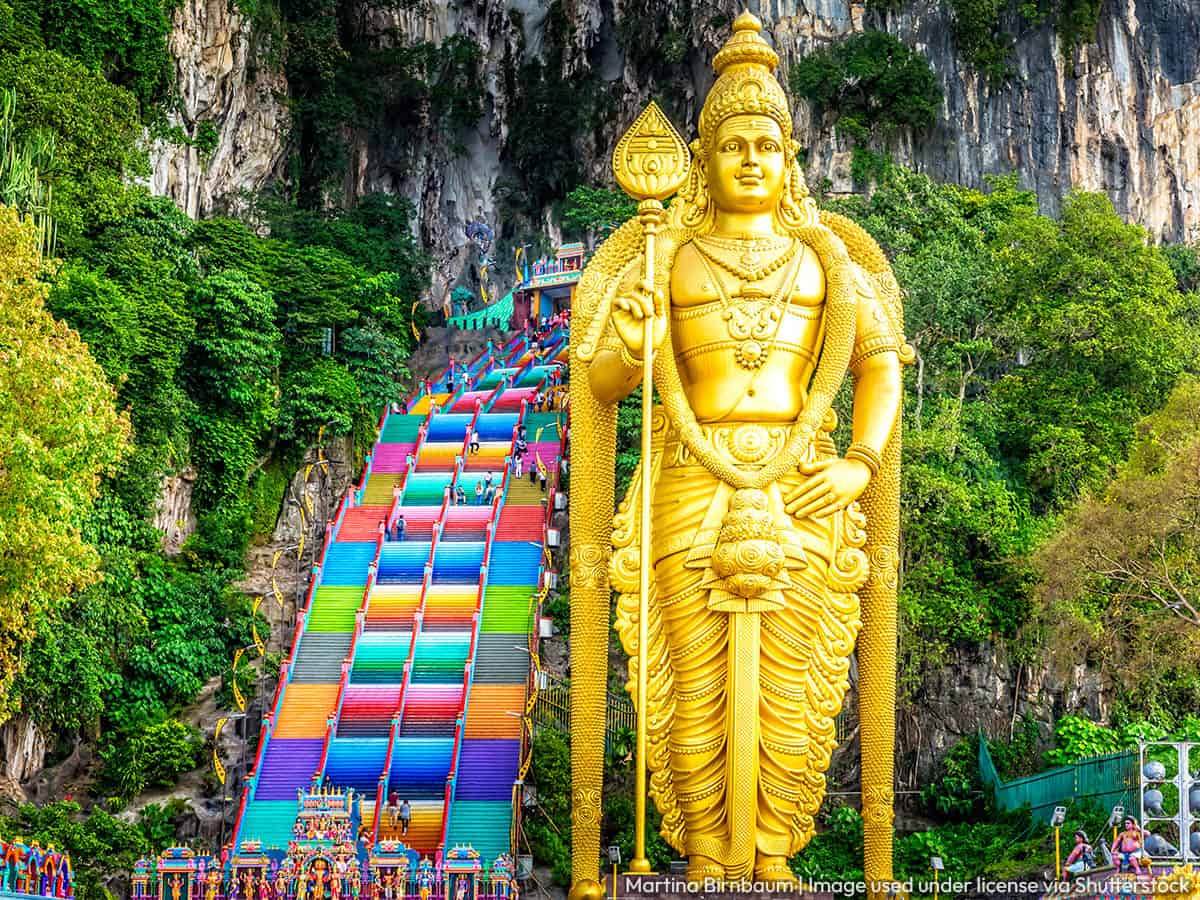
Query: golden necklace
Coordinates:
[752,322]
[743,257]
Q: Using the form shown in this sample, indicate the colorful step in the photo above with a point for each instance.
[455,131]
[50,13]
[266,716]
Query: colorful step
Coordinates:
[420,694]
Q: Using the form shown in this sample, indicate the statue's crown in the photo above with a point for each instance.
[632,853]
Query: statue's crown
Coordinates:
[745,83]
[746,46]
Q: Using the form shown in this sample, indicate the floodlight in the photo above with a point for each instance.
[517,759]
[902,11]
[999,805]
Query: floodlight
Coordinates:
[935,862]
[1060,816]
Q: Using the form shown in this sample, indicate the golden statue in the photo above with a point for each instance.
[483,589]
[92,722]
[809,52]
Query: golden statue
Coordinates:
[770,553]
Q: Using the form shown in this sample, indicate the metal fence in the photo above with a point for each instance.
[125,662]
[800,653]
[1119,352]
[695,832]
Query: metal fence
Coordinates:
[1102,781]
[552,709]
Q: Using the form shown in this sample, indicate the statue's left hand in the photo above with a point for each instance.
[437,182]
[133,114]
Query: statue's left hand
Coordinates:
[832,484]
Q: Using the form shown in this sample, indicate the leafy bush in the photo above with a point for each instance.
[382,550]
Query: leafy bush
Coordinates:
[548,828]
[836,851]
[1001,847]
[321,394]
[957,793]
[154,755]
[871,82]
[1023,395]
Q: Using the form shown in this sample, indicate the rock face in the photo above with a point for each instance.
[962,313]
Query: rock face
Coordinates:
[173,515]
[227,89]
[22,750]
[977,688]
[1122,116]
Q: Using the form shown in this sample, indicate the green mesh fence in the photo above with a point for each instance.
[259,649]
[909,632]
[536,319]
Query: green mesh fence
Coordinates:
[1102,781]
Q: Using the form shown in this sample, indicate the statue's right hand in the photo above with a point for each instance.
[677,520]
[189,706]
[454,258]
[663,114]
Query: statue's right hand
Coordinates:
[629,314]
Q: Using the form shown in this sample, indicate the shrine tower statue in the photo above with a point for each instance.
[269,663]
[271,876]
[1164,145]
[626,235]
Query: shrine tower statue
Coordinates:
[772,555]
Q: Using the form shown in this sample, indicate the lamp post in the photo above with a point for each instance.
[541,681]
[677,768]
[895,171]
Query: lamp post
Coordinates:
[614,857]
[1056,822]
[935,863]
[1114,820]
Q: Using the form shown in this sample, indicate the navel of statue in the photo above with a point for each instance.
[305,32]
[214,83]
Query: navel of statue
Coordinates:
[770,551]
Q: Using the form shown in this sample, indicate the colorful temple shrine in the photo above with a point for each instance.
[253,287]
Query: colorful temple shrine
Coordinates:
[30,869]
[548,287]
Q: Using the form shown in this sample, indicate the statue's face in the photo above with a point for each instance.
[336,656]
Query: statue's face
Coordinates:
[746,165]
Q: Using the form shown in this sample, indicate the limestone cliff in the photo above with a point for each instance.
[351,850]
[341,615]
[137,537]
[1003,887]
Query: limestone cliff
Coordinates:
[1121,115]
[231,105]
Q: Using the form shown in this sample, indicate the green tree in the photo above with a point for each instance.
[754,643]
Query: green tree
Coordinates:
[1184,260]
[597,212]
[377,362]
[1096,342]
[872,83]
[102,312]
[96,132]
[1118,582]
[60,433]
[323,393]
[152,756]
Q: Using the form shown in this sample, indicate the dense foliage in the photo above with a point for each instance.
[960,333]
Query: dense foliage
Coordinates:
[215,336]
[227,351]
[342,78]
[60,434]
[1038,348]
[871,83]
[1003,846]
[547,829]
[1118,580]
[595,212]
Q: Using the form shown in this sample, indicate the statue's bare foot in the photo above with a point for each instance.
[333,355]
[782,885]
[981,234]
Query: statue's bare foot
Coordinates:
[702,868]
[773,870]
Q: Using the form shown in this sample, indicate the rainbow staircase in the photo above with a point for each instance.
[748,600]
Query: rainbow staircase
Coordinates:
[410,668]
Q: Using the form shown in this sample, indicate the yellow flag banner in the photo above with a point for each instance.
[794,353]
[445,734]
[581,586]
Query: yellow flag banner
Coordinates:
[542,471]
[238,697]
[412,321]
[258,641]
[218,766]
[275,580]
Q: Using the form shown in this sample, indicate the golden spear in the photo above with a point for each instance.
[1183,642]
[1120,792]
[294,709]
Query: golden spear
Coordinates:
[651,163]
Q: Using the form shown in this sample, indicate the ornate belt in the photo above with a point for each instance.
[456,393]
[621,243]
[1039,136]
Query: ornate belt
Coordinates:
[745,444]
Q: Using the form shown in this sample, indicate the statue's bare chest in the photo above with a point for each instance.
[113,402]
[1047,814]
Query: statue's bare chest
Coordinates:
[712,305]
[757,337]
